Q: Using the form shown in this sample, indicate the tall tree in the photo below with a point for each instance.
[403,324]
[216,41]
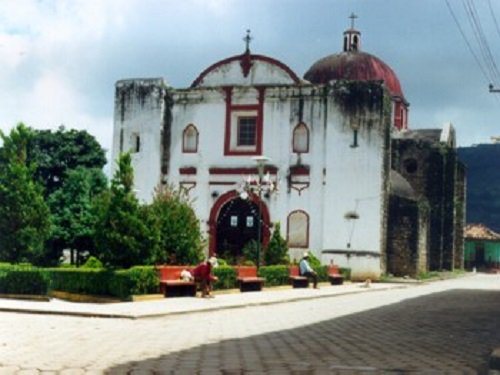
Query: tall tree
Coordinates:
[24,216]
[123,237]
[55,153]
[72,214]
[179,231]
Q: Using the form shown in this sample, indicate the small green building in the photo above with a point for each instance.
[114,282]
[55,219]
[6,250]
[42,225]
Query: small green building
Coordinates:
[482,248]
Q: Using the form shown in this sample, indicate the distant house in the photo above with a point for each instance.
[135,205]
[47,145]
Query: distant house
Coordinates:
[482,247]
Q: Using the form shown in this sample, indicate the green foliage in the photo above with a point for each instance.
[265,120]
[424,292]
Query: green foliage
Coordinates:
[24,216]
[275,275]
[346,272]
[93,262]
[277,249]
[57,153]
[80,280]
[135,281]
[72,214]
[227,277]
[172,217]
[23,280]
[222,262]
[123,235]
[121,284]
[321,271]
[251,253]
[313,261]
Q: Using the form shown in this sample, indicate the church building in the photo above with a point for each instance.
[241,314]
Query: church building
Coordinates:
[254,144]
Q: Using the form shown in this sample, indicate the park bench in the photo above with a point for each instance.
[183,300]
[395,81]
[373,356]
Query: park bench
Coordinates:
[171,284]
[248,279]
[296,280]
[334,275]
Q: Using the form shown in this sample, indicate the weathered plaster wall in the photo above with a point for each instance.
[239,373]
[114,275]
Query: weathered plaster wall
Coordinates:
[139,111]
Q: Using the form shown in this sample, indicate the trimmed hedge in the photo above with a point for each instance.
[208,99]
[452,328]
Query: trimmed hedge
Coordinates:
[275,275]
[227,277]
[26,279]
[121,284]
[23,280]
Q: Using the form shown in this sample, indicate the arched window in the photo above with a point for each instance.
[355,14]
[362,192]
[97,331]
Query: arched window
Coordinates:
[190,139]
[301,138]
[298,229]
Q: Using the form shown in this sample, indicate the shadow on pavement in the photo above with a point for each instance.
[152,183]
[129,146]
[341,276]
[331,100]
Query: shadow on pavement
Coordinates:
[451,332]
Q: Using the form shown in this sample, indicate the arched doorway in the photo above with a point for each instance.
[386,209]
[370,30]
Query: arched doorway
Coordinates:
[234,222]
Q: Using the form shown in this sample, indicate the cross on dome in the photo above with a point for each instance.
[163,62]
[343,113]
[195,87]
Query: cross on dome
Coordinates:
[353,18]
[247,39]
[352,37]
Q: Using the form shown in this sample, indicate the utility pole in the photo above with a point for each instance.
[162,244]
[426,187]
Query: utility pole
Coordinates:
[492,88]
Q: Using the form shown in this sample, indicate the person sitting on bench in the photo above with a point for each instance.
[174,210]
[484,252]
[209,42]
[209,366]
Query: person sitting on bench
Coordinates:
[306,270]
[203,276]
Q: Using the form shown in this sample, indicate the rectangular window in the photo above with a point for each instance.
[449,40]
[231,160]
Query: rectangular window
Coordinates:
[247,131]
[249,221]
[234,221]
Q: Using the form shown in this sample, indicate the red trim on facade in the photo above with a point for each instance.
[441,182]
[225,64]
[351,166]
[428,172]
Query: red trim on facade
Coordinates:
[288,228]
[230,108]
[187,170]
[242,171]
[221,183]
[300,124]
[240,58]
[184,150]
[214,214]
[299,170]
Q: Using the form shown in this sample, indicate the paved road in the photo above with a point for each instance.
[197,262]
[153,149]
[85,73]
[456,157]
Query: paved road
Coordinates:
[443,327]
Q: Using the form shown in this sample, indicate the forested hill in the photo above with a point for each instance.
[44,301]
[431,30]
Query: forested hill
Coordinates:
[483,183]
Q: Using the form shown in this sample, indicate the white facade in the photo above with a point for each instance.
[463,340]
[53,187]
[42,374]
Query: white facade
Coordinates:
[343,171]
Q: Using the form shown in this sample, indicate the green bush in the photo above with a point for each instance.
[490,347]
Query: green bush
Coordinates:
[227,277]
[322,272]
[251,252]
[81,280]
[93,262]
[275,275]
[346,272]
[23,280]
[277,249]
[134,281]
[121,284]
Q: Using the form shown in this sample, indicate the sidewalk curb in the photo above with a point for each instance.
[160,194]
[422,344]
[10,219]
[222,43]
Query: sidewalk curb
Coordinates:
[131,316]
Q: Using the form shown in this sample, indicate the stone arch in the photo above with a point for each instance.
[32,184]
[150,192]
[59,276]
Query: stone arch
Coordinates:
[216,209]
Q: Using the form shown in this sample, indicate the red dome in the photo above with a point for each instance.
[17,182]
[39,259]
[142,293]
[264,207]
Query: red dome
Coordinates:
[354,65]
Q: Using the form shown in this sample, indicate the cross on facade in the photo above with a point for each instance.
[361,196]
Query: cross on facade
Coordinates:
[247,40]
[352,17]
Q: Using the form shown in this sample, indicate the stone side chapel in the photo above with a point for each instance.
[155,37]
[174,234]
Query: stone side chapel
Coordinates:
[329,140]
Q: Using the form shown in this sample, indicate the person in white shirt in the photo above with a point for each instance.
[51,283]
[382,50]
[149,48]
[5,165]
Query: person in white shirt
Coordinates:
[306,270]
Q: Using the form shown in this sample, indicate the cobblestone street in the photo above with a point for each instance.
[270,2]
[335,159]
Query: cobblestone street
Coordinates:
[441,327]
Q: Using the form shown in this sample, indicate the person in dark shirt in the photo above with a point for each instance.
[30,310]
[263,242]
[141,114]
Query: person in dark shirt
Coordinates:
[203,276]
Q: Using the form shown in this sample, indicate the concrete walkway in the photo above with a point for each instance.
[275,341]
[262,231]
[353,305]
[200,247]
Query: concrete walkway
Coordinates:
[185,305]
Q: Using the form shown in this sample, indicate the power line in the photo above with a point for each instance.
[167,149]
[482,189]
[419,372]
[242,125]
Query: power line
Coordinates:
[494,17]
[471,50]
[475,22]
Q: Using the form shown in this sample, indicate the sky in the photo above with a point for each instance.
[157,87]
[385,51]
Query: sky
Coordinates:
[60,60]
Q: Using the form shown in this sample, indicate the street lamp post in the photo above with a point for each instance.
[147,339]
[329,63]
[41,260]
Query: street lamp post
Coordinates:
[258,185]
[261,161]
